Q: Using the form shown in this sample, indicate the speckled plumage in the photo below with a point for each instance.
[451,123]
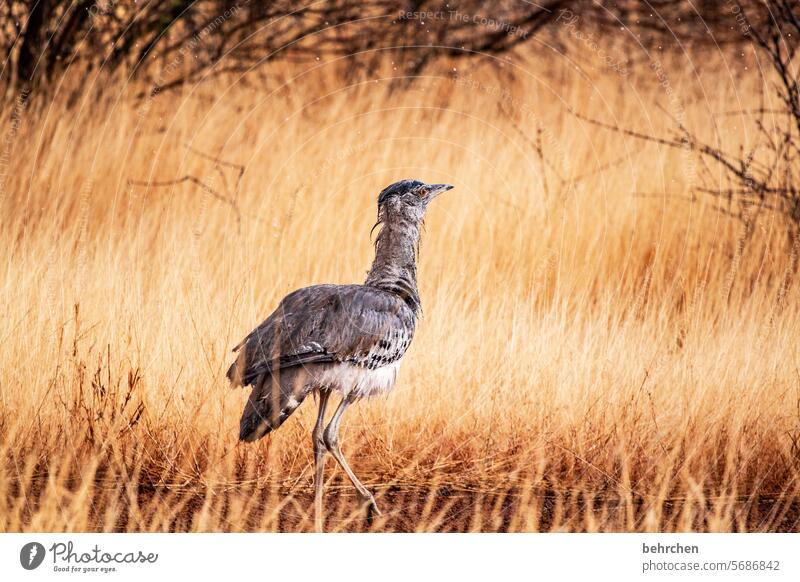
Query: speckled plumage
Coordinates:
[316,330]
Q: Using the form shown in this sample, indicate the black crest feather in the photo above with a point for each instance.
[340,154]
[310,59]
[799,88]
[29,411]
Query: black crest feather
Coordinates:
[398,188]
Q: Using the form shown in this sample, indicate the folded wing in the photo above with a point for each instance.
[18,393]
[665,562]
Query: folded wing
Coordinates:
[326,323]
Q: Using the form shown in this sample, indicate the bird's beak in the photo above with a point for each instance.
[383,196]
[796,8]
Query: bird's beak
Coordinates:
[436,189]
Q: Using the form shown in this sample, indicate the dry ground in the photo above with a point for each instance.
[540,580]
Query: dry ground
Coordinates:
[591,356]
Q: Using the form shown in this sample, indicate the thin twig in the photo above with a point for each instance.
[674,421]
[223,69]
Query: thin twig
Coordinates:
[189,178]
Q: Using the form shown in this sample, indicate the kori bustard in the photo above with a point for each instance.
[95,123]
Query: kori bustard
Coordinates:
[348,339]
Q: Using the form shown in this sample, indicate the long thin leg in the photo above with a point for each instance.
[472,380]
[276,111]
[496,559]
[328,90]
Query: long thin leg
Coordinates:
[319,459]
[331,438]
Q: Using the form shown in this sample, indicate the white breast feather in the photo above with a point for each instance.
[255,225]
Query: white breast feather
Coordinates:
[359,381]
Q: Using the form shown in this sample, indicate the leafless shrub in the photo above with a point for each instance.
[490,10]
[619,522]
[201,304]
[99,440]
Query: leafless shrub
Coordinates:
[178,42]
[174,43]
[764,176]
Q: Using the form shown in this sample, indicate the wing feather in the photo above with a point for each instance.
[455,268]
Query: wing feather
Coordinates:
[326,323]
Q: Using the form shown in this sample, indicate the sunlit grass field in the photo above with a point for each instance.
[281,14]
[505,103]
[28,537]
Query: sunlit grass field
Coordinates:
[600,350]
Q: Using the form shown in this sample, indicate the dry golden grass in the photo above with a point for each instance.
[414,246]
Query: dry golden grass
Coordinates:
[588,360]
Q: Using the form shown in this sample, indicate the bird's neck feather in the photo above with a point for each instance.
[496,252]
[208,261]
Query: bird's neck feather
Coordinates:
[395,266]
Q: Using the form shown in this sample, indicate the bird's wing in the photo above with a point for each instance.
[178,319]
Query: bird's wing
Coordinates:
[327,323]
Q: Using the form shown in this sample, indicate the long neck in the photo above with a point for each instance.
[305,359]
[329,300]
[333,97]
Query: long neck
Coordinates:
[395,266]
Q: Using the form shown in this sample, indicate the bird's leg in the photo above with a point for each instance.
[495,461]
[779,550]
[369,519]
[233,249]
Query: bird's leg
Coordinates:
[319,459]
[331,438]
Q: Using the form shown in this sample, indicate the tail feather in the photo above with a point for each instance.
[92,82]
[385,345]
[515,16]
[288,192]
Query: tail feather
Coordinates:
[236,371]
[273,399]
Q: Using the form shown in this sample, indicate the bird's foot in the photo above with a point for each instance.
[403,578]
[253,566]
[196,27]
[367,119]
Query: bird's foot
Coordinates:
[371,507]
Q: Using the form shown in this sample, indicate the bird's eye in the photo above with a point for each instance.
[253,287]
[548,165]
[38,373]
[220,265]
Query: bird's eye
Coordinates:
[422,192]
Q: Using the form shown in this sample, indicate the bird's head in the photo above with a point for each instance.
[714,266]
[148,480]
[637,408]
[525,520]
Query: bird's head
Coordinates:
[408,198]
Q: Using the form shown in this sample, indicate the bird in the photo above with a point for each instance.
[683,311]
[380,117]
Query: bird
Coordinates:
[344,339]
